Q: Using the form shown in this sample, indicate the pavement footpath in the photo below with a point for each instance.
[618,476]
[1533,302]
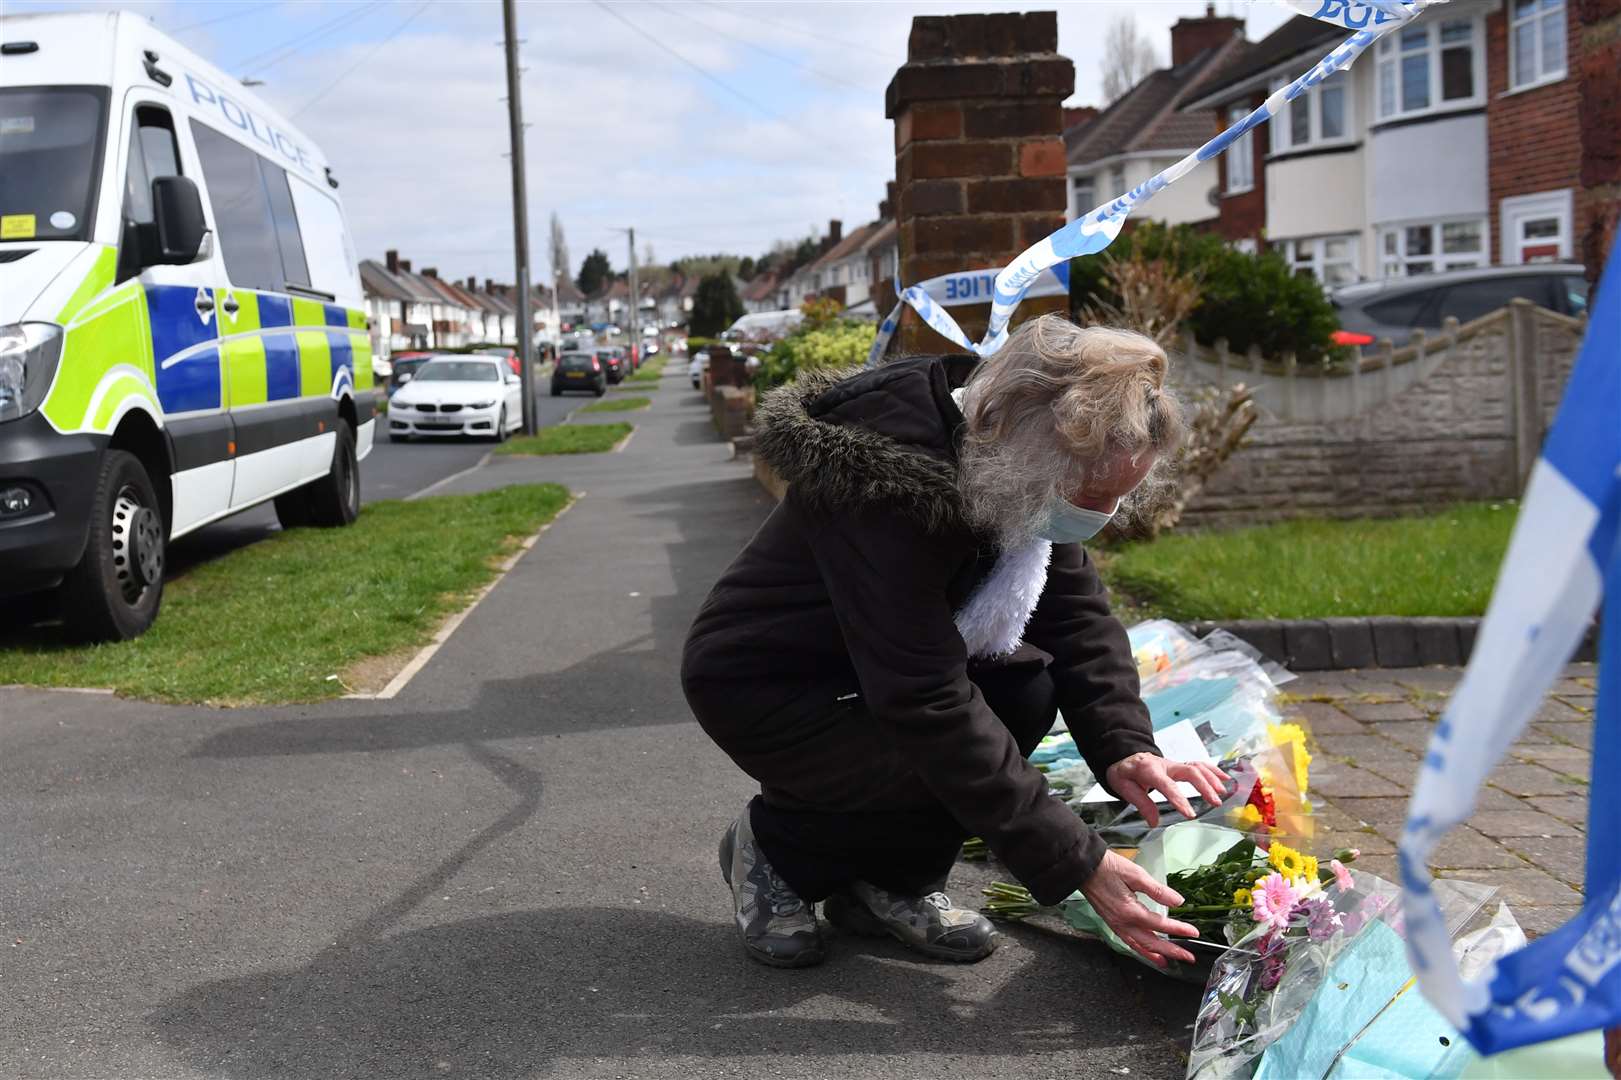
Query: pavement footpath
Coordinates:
[509,869]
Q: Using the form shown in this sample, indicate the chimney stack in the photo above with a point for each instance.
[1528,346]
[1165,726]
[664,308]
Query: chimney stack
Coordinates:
[405,264]
[1073,117]
[835,232]
[1190,37]
[392,260]
[430,271]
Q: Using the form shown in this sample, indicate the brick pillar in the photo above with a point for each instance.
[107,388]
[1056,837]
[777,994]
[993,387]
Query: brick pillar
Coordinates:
[979,152]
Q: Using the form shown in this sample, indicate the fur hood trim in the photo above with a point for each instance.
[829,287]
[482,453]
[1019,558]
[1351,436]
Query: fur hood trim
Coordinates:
[835,465]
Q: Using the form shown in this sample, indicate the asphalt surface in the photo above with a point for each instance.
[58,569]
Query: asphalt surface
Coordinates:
[507,871]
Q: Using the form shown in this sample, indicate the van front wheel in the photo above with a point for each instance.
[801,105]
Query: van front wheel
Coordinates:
[332,500]
[115,591]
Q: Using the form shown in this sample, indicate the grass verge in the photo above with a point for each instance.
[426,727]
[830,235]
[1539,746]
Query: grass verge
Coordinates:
[648,374]
[624,404]
[280,620]
[568,439]
[1437,564]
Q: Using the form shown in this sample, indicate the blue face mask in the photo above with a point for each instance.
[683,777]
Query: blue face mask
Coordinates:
[1067,523]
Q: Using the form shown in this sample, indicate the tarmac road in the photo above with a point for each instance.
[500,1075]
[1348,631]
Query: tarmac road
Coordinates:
[507,871]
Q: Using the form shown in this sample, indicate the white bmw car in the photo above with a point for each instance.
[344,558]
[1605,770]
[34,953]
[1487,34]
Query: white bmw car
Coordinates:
[457,395]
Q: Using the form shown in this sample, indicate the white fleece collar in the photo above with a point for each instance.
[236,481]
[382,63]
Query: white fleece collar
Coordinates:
[993,619]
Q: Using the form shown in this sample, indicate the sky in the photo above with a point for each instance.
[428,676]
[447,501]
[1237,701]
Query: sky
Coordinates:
[706,125]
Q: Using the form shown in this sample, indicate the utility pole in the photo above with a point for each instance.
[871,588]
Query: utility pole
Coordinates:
[520,218]
[635,299]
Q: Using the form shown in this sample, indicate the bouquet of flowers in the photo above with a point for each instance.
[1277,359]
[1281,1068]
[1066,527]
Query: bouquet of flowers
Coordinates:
[1223,876]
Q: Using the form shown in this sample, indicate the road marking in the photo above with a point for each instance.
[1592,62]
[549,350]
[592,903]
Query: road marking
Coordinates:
[437,484]
[420,660]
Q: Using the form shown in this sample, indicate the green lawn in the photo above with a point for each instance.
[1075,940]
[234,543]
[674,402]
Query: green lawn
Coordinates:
[648,374]
[624,404]
[568,439]
[1438,564]
[275,621]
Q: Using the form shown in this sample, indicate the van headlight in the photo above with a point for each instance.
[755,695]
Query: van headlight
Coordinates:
[28,356]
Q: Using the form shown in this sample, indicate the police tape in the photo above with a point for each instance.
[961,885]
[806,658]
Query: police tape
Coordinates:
[1091,233]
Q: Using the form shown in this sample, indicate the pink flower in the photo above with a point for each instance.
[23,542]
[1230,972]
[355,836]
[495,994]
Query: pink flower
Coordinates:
[1341,875]
[1273,901]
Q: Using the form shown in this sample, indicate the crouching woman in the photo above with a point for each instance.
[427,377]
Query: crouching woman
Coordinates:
[888,649]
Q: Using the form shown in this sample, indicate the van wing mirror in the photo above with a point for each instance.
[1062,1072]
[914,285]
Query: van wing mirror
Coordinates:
[177,210]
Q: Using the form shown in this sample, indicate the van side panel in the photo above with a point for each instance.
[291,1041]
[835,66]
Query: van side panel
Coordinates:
[107,342]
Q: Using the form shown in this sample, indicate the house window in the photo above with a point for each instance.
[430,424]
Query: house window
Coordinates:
[1084,190]
[1240,154]
[1117,180]
[1431,246]
[1332,260]
[1536,42]
[1319,116]
[1246,245]
[1429,67]
[1537,228]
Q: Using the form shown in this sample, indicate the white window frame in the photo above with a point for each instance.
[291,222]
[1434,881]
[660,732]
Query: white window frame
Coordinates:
[1388,54]
[1117,180]
[1310,253]
[1244,244]
[1240,155]
[1280,127]
[1514,212]
[1539,19]
[1090,180]
[1395,264]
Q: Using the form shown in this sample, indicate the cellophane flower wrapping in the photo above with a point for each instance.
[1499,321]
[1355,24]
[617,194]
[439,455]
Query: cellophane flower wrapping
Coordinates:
[1259,988]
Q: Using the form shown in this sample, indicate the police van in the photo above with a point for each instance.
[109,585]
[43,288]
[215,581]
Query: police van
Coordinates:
[182,330]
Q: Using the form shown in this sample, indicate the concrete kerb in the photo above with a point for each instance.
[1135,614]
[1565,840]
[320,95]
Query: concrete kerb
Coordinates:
[1374,642]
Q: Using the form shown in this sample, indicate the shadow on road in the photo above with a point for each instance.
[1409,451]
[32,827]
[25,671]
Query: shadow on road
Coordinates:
[512,994]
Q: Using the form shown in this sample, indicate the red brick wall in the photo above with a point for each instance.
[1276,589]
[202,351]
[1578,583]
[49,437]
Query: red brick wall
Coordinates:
[1242,216]
[979,152]
[1533,137]
[1599,114]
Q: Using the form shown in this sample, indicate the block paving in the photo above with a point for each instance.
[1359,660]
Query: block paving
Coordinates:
[1528,835]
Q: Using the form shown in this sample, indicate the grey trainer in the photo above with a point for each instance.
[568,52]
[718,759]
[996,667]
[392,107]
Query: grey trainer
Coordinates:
[929,924]
[778,928]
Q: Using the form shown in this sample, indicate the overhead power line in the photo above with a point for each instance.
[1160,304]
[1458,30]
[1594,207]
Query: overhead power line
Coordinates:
[695,66]
[265,59]
[367,55]
[752,15]
[780,57]
[236,14]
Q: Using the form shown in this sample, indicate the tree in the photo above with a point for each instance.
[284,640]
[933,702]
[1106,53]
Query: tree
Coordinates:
[746,269]
[595,271]
[715,306]
[558,248]
[1128,57]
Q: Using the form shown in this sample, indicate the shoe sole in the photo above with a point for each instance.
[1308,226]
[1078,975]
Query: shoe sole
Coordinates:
[728,844]
[853,918]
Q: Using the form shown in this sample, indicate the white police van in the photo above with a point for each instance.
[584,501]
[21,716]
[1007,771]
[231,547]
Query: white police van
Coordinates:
[182,329]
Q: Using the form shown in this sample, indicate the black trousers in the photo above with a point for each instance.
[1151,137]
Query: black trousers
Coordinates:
[838,800]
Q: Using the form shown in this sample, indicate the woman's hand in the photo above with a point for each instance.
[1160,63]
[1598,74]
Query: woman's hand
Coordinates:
[1132,778]
[1112,891]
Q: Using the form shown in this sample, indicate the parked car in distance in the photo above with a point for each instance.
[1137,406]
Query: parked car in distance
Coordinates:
[507,353]
[458,395]
[1394,308]
[405,369]
[613,363]
[579,371]
[696,368]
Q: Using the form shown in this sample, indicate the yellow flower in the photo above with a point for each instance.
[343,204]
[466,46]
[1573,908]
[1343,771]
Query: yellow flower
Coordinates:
[1292,737]
[1286,860]
[1241,898]
[1308,867]
[1246,817]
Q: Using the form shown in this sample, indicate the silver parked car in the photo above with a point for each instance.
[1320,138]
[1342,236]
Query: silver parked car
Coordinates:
[1394,308]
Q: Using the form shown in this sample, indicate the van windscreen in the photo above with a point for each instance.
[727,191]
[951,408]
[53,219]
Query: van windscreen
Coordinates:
[50,161]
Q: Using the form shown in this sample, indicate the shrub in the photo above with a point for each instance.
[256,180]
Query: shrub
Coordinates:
[834,344]
[1247,299]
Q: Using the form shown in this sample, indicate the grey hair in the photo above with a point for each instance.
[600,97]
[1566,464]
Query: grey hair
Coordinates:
[1054,406]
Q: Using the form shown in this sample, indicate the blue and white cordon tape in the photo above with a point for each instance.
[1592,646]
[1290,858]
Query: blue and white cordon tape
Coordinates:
[1367,19]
